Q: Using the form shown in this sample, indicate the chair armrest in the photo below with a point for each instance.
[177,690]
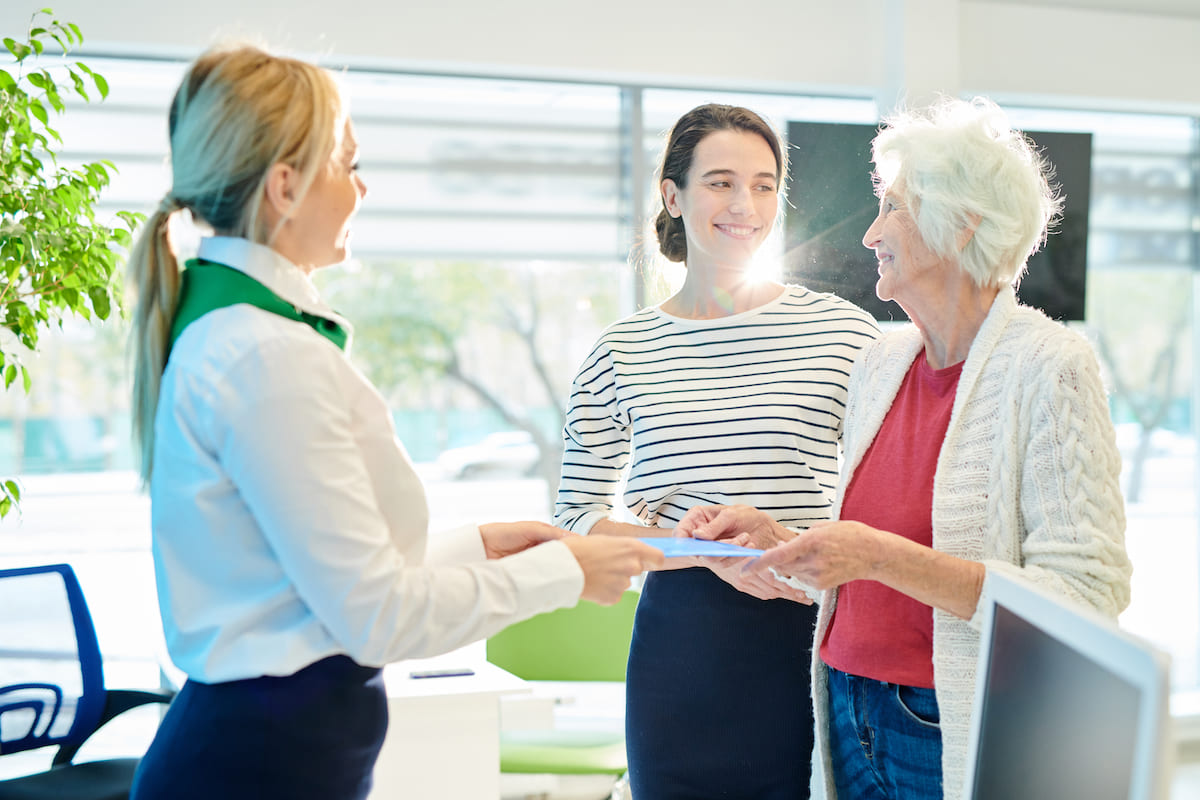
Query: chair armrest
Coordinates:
[116,702]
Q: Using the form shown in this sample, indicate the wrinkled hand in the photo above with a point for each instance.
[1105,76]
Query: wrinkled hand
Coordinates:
[502,539]
[736,572]
[743,525]
[825,556]
[609,562]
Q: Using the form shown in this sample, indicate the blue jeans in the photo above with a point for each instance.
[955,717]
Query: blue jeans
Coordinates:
[885,739]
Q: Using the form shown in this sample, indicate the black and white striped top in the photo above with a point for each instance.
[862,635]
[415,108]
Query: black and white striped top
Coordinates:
[742,409]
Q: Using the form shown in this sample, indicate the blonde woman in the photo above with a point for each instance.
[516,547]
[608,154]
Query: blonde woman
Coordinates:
[289,528]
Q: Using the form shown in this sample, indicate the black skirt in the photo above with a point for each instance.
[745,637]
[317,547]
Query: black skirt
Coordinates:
[717,692]
[312,735]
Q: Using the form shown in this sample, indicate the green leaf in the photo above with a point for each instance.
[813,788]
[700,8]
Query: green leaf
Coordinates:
[6,80]
[25,379]
[18,50]
[12,489]
[38,110]
[10,375]
[37,79]
[37,45]
[101,84]
[80,86]
[100,301]
[55,99]
[6,506]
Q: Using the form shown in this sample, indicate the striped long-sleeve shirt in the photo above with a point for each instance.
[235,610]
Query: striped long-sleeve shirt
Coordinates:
[742,409]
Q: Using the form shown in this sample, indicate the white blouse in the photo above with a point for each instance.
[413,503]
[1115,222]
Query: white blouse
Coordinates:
[288,521]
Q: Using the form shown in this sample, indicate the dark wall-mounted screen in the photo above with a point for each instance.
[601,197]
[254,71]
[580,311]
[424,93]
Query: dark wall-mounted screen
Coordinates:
[832,204]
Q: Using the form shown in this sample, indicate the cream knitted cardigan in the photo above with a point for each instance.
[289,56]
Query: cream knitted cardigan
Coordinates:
[1026,482]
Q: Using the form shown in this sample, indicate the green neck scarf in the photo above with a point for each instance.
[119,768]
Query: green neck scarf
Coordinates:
[206,286]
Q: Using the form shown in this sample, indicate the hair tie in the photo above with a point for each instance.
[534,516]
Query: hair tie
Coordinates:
[169,205]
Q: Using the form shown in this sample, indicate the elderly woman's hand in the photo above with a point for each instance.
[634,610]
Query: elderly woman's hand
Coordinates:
[827,555]
[832,553]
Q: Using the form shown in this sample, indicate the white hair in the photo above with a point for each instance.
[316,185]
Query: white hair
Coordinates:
[959,165]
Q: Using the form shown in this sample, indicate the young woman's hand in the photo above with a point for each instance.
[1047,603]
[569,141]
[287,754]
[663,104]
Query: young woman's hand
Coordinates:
[743,525]
[739,573]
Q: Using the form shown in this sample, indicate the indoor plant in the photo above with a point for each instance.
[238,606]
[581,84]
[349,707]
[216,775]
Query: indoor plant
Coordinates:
[56,257]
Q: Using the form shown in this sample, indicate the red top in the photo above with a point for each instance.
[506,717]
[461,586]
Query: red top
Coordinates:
[877,632]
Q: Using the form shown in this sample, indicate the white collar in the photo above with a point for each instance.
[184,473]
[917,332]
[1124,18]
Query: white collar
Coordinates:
[271,269]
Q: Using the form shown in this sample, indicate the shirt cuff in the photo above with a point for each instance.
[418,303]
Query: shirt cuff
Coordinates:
[461,545]
[547,576]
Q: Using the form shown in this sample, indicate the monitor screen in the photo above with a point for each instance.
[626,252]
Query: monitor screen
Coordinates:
[831,205]
[1068,706]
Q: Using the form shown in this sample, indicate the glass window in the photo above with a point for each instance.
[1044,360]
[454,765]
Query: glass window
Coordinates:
[1140,306]
[496,242]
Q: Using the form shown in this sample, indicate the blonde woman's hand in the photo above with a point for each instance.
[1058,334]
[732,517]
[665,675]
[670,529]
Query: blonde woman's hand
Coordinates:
[502,539]
[609,563]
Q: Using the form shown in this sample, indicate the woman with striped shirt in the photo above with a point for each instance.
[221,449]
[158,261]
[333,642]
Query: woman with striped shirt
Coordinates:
[731,391]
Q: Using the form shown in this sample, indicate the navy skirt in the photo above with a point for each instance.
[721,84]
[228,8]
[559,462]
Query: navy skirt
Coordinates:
[313,735]
[717,692]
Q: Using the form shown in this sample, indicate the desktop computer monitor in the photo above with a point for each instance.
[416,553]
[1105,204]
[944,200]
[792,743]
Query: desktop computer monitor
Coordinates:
[1067,705]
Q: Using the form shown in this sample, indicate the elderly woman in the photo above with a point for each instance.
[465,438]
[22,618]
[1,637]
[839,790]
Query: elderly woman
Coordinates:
[977,442]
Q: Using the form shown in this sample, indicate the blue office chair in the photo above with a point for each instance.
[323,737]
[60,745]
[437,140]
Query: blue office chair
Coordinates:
[52,691]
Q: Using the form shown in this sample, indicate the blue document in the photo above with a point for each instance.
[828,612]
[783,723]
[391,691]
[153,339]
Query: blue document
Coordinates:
[677,546]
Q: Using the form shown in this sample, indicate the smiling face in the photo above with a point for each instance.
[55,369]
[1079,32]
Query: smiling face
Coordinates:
[317,230]
[730,201]
[908,269]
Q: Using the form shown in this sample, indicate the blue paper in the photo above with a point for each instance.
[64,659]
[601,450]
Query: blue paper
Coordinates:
[673,546]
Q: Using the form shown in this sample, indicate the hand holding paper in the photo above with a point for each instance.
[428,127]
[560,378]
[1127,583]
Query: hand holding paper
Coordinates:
[752,527]
[757,531]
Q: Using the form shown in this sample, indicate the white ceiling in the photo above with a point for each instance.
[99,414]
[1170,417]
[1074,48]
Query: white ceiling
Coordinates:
[1172,8]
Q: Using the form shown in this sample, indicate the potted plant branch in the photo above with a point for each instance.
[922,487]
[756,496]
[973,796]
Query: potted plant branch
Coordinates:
[57,257]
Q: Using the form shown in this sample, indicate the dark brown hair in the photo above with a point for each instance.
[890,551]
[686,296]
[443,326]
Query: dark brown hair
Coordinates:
[688,132]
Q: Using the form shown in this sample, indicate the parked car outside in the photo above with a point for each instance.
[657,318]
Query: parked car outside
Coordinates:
[503,454]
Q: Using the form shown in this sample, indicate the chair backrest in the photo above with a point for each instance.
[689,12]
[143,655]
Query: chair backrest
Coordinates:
[589,642]
[51,678]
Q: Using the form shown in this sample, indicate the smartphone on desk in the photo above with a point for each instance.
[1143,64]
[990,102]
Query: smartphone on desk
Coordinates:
[448,672]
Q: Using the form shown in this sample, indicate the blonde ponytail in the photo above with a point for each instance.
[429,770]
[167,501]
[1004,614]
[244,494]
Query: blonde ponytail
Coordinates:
[153,274]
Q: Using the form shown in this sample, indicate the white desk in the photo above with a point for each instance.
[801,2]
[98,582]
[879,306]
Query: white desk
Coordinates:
[443,733]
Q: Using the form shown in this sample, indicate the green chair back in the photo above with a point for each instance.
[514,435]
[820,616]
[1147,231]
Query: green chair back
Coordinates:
[589,642]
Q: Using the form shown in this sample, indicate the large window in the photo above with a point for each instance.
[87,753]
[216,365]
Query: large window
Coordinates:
[1141,301]
[504,227]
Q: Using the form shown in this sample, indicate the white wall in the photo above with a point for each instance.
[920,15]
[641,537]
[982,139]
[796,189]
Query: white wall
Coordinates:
[1021,48]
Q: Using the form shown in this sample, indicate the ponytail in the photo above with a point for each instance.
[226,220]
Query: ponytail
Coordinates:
[153,273]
